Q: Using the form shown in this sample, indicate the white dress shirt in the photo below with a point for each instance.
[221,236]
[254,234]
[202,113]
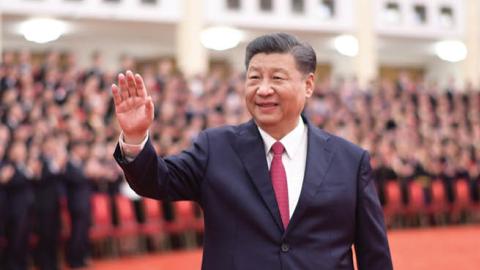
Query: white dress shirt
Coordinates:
[294,158]
[131,151]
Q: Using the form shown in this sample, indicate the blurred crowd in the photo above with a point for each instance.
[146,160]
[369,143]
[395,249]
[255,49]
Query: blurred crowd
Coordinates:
[58,133]
[414,131]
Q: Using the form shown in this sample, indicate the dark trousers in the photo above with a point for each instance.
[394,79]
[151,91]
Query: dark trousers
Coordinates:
[77,246]
[3,224]
[474,189]
[17,231]
[47,229]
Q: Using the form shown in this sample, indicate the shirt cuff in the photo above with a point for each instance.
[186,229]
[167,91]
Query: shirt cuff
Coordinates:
[131,151]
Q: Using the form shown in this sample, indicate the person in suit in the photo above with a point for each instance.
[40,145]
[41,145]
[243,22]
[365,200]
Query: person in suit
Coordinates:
[47,206]
[16,181]
[6,173]
[277,192]
[78,191]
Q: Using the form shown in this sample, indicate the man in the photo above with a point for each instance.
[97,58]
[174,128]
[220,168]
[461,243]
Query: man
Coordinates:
[317,200]
[16,180]
[78,191]
[6,173]
[47,205]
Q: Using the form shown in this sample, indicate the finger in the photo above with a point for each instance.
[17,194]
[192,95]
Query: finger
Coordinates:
[132,88]
[123,86]
[117,99]
[141,89]
[149,107]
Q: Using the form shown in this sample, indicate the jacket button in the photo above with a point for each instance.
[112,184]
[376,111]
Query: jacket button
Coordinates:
[285,247]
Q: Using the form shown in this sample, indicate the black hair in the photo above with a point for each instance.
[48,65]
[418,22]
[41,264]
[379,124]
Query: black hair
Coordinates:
[304,55]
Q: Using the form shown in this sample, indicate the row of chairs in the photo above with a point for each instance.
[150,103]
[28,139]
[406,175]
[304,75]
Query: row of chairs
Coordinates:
[439,211]
[131,236]
[157,232]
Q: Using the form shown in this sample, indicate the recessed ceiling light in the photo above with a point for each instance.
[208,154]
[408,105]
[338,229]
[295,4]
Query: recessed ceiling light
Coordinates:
[42,30]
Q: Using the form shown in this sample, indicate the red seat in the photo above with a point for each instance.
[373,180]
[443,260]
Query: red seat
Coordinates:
[462,204]
[153,227]
[439,203]
[393,206]
[127,233]
[153,217]
[183,217]
[102,227]
[186,215]
[416,204]
[101,231]
[128,225]
[462,194]
[185,223]
[439,198]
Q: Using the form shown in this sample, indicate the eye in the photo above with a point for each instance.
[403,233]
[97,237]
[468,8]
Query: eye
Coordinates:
[277,78]
[253,77]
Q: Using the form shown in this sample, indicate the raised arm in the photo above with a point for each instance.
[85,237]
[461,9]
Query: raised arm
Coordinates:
[174,178]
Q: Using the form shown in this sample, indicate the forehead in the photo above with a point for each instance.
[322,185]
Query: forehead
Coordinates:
[272,61]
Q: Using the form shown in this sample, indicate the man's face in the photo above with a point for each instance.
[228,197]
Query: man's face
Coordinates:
[18,152]
[276,92]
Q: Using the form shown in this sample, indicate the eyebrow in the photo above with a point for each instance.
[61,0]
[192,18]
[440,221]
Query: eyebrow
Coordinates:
[253,68]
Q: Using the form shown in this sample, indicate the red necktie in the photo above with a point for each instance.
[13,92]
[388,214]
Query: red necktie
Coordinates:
[279,182]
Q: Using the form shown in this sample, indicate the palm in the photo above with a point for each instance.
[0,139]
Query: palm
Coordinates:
[132,115]
[133,108]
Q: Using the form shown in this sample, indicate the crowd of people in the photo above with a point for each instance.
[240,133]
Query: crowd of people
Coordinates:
[58,134]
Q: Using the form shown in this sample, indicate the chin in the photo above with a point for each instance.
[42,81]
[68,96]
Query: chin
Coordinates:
[266,120]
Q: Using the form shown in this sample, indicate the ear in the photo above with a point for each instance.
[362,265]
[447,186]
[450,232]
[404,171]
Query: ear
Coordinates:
[309,85]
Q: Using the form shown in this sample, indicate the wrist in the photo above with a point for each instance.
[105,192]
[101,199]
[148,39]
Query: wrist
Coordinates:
[134,138]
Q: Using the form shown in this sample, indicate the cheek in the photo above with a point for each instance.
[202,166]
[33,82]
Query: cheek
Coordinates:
[295,103]
[249,95]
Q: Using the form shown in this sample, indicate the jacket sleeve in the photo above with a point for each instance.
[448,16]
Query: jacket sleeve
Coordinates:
[371,243]
[176,177]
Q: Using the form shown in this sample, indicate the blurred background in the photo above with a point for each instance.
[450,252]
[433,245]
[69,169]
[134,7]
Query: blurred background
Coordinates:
[398,77]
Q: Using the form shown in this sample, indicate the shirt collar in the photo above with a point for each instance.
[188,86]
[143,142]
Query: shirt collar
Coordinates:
[291,141]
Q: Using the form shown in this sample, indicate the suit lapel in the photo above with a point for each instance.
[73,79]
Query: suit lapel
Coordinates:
[319,157]
[251,150]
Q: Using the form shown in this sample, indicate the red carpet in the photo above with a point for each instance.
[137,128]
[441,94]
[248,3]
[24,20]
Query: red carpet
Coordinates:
[454,248]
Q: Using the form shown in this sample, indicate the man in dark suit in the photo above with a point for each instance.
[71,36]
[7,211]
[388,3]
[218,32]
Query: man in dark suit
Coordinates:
[18,199]
[47,206]
[6,173]
[78,191]
[277,192]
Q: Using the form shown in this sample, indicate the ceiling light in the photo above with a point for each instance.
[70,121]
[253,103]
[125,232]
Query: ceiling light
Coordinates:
[346,45]
[220,38]
[451,50]
[42,30]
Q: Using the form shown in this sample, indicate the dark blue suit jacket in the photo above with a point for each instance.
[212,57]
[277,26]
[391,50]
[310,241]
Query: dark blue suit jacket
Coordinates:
[78,190]
[226,172]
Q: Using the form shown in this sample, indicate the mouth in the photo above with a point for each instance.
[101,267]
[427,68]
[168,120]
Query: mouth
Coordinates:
[266,105]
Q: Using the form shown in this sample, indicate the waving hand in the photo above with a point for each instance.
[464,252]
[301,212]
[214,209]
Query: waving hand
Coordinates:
[133,107]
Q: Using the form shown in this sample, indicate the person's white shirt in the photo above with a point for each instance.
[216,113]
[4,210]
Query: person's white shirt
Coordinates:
[294,158]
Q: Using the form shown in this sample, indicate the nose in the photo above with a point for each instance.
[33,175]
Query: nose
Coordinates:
[264,89]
